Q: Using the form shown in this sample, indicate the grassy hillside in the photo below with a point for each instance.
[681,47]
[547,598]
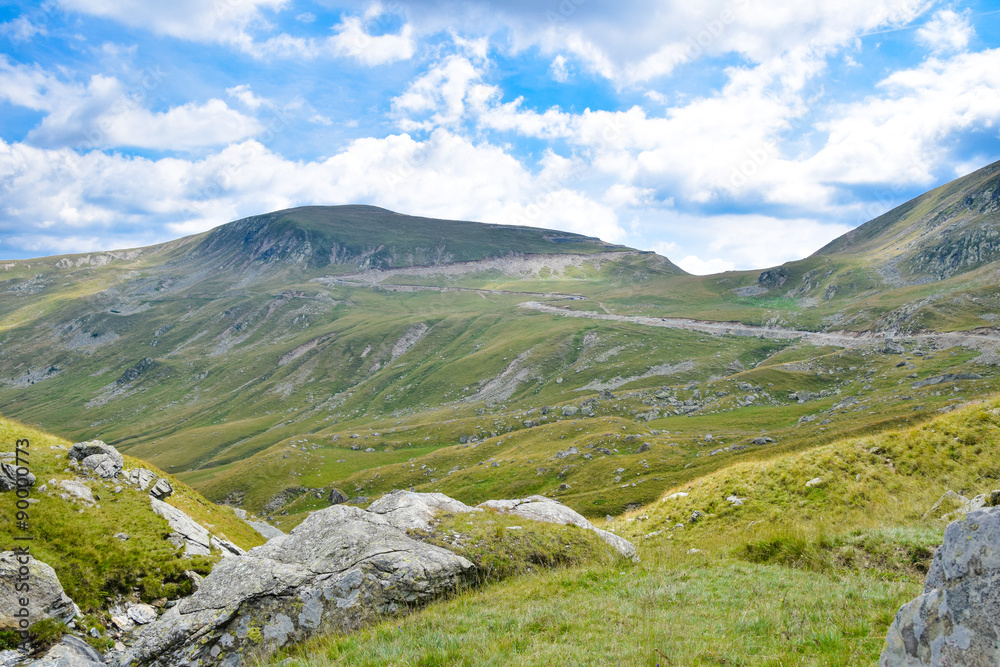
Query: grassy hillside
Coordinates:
[796,574]
[243,360]
[77,540]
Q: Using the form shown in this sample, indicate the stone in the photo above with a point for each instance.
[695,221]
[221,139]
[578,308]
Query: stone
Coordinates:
[94,455]
[696,516]
[70,652]
[814,482]
[337,497]
[266,530]
[955,620]
[161,490]
[140,478]
[121,536]
[644,447]
[679,494]
[340,568]
[47,598]
[409,510]
[540,508]
[569,410]
[189,534]
[735,500]
[761,440]
[142,614]
[9,477]
[76,490]
[994,500]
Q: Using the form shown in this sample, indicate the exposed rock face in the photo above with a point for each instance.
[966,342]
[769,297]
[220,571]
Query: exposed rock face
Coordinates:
[140,478]
[337,497]
[8,477]
[341,567]
[408,510]
[957,619]
[266,530]
[161,490]
[104,460]
[70,652]
[47,599]
[191,535]
[773,277]
[540,508]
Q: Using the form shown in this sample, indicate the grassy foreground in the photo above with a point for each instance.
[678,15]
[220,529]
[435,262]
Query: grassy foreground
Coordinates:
[795,575]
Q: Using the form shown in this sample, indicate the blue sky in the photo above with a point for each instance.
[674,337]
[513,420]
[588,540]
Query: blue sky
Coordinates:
[723,134]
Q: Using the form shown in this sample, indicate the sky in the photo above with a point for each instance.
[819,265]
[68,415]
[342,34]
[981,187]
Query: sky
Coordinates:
[723,134]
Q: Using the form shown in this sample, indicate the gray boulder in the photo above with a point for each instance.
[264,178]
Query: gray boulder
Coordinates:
[957,619]
[161,490]
[337,497]
[570,410]
[540,508]
[47,598]
[266,530]
[140,478]
[188,533]
[102,459]
[9,477]
[341,567]
[70,652]
[409,510]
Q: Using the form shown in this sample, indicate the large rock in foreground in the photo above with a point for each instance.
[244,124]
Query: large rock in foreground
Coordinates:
[46,599]
[957,619]
[341,567]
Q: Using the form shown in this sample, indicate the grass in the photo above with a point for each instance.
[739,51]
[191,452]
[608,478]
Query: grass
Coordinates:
[77,540]
[795,575]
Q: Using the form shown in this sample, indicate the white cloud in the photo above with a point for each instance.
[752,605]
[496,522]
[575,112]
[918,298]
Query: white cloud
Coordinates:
[904,135]
[632,41]
[350,40]
[104,113]
[246,96]
[947,31]
[225,21]
[664,248]
[21,29]
[306,17]
[703,267]
[63,193]
[559,69]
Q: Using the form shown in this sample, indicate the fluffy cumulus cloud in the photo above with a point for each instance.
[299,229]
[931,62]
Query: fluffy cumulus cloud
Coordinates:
[104,113]
[64,189]
[947,31]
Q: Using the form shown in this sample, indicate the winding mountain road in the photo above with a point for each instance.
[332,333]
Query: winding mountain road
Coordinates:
[978,341]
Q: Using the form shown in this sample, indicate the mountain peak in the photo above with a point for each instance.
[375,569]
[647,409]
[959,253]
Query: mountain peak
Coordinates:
[373,237]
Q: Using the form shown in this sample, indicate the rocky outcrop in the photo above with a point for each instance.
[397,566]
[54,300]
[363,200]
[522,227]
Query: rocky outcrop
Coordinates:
[540,508]
[189,534]
[266,530]
[409,510]
[773,277]
[47,598]
[337,497]
[9,477]
[101,459]
[957,619]
[339,568]
[70,652]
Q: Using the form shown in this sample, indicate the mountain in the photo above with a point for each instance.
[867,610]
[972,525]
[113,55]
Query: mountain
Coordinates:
[275,358]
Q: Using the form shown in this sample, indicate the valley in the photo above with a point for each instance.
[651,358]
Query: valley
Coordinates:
[281,361]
